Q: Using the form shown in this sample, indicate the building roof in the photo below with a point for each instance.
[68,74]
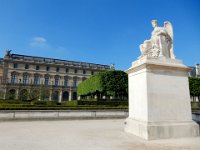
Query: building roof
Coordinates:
[36,59]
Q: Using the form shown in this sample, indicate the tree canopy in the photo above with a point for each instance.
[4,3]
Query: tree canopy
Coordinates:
[108,83]
[194,84]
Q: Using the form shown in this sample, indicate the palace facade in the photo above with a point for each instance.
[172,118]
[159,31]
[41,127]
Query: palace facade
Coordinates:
[30,77]
[195,71]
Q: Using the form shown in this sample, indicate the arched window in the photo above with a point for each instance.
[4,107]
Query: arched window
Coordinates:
[57,69]
[65,81]
[37,68]
[56,80]
[47,68]
[75,82]
[26,66]
[36,79]
[84,71]
[13,78]
[46,80]
[15,65]
[25,78]
[65,96]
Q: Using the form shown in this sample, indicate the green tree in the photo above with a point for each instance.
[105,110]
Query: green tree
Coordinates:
[34,93]
[107,83]
[194,84]
[44,93]
[115,83]
[23,95]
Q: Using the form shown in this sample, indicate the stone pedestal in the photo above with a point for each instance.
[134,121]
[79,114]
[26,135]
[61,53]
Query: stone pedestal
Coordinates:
[159,100]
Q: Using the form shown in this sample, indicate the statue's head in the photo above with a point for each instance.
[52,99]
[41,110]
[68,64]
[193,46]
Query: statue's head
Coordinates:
[154,23]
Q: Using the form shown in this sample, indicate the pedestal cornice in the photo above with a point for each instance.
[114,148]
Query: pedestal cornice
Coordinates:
[157,63]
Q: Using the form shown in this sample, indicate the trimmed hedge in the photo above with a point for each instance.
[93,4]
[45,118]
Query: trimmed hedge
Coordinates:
[14,105]
[48,103]
[17,107]
[108,83]
[195,108]
[71,103]
[91,85]
[107,103]
[14,102]
[53,105]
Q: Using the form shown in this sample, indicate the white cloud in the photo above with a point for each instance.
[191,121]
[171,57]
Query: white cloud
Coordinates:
[38,41]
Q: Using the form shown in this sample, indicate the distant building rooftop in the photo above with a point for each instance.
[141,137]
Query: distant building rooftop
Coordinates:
[36,59]
[195,71]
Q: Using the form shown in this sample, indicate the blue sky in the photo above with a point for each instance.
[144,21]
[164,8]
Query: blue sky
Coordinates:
[97,31]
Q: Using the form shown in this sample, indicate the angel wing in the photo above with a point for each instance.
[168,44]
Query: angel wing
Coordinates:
[168,27]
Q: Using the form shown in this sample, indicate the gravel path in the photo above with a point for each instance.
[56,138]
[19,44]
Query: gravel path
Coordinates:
[81,135]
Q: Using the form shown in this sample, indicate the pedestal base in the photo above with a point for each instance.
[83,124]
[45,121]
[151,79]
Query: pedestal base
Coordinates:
[161,130]
[159,100]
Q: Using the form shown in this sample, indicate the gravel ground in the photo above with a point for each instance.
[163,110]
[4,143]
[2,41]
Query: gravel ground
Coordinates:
[82,135]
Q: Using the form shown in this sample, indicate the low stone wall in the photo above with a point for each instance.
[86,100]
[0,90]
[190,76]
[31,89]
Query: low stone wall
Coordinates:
[61,114]
[69,114]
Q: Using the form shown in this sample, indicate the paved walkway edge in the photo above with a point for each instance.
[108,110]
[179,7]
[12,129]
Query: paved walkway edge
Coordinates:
[61,114]
[9,115]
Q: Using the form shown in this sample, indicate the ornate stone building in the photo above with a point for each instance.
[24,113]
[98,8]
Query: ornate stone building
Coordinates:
[30,77]
[1,69]
[195,71]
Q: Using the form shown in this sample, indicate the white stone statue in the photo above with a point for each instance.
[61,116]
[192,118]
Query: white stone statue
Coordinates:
[161,42]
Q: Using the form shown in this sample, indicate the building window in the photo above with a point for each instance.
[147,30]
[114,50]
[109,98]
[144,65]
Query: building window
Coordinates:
[92,72]
[56,80]
[15,65]
[57,69]
[84,72]
[47,68]
[36,80]
[26,66]
[37,68]
[66,82]
[75,71]
[46,81]
[13,78]
[66,70]
[75,83]
[25,79]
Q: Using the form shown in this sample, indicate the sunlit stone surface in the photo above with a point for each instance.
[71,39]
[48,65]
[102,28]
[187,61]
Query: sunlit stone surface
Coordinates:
[159,100]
